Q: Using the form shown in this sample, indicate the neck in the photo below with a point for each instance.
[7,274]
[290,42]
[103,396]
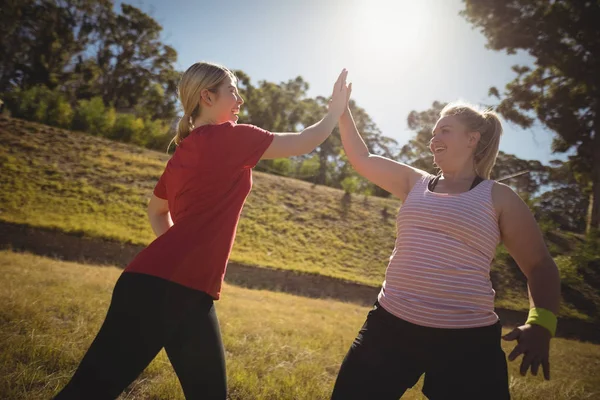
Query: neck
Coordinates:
[466,173]
[204,120]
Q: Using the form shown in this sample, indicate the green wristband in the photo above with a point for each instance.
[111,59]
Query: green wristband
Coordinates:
[542,317]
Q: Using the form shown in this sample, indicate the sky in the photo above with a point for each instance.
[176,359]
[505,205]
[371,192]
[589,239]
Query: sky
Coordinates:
[402,55]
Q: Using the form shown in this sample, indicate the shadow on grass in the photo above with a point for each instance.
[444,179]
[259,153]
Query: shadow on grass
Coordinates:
[81,249]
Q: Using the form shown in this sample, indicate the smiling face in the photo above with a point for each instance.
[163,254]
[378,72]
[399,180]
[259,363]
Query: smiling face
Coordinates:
[452,146]
[223,103]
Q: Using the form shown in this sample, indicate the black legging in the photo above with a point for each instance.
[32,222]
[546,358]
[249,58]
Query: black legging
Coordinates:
[146,314]
[389,355]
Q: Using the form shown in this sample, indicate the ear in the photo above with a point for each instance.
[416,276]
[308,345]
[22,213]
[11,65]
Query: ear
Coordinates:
[474,138]
[206,97]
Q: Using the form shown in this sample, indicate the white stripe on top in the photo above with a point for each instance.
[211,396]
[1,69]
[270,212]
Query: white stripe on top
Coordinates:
[439,272]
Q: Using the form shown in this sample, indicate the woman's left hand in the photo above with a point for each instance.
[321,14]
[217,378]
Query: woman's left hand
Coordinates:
[534,344]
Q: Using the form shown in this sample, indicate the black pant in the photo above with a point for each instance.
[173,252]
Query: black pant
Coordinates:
[146,314]
[389,355]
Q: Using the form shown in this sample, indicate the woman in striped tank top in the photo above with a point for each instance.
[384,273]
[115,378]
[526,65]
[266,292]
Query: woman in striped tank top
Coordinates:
[435,312]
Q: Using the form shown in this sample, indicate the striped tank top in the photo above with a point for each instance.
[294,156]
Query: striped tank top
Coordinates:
[439,272]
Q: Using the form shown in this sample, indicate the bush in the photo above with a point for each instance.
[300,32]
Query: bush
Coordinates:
[158,133]
[282,166]
[59,112]
[128,128]
[41,104]
[350,184]
[309,167]
[93,117]
[568,269]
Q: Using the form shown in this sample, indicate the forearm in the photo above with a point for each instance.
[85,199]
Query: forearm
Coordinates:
[160,223]
[543,284]
[316,134]
[354,145]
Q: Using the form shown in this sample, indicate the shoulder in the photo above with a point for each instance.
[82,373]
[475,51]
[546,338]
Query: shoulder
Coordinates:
[504,198]
[418,176]
[245,127]
[247,132]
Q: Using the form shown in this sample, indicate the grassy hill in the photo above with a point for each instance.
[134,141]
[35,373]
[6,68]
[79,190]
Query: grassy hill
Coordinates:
[90,186]
[278,346]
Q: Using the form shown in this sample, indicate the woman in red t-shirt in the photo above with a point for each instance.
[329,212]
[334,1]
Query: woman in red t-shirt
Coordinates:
[164,297]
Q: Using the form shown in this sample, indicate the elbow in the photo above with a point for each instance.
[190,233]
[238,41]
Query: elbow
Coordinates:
[545,270]
[359,162]
[154,214]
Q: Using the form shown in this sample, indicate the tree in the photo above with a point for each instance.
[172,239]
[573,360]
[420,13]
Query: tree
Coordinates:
[562,88]
[284,107]
[136,68]
[85,49]
[566,202]
[39,40]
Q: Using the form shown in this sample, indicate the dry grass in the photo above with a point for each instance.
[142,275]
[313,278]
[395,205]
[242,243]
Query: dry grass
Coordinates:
[278,346]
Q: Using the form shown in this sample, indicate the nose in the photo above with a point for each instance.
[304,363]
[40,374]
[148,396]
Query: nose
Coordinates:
[240,100]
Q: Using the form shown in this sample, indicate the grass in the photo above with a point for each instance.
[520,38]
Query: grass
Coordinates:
[278,346]
[90,186]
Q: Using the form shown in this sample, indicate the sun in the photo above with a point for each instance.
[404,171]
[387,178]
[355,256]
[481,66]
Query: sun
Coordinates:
[387,30]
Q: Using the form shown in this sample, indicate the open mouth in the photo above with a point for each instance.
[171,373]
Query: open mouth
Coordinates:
[439,150]
[235,111]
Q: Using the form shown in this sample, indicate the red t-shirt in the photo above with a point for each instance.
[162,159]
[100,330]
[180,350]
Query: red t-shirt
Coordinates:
[206,183]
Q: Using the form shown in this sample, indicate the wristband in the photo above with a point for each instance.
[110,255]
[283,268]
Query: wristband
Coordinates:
[542,317]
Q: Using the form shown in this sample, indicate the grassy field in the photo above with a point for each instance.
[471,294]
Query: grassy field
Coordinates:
[85,185]
[278,346]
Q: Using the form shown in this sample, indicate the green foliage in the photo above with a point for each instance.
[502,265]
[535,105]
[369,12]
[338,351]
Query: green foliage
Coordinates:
[282,166]
[284,107]
[93,117]
[561,89]
[88,48]
[309,167]
[350,184]
[128,128]
[157,134]
[41,104]
[568,268]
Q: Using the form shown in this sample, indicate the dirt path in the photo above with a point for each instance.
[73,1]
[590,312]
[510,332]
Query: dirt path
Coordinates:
[98,251]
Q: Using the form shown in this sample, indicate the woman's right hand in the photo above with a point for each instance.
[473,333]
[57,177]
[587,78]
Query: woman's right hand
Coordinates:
[340,96]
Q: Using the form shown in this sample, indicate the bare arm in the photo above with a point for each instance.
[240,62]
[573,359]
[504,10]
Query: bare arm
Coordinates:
[159,215]
[294,144]
[395,177]
[524,241]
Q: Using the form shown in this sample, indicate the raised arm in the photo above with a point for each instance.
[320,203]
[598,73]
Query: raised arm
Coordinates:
[397,178]
[294,144]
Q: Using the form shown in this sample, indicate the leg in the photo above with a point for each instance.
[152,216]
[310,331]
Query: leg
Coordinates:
[127,342]
[381,363]
[196,350]
[471,365]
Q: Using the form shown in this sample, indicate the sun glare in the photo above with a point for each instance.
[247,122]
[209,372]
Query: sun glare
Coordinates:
[387,31]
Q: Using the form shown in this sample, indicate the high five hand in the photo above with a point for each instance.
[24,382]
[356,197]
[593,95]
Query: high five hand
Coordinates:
[339,97]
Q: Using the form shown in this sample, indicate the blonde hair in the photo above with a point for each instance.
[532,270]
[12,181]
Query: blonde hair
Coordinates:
[488,124]
[200,76]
